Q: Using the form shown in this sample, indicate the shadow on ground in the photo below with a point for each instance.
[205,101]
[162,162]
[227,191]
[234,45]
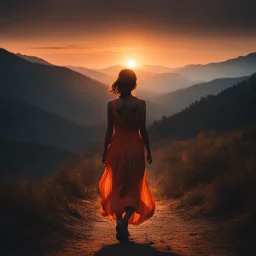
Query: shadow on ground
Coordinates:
[131,248]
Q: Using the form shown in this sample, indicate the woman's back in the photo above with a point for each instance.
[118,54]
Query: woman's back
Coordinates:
[127,113]
[127,109]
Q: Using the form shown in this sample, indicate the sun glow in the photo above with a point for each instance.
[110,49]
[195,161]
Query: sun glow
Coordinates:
[131,63]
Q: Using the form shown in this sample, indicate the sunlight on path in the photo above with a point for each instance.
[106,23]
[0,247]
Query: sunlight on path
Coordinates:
[166,233]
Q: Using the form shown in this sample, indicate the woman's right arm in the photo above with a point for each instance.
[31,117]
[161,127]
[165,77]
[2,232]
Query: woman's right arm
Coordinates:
[144,131]
[109,131]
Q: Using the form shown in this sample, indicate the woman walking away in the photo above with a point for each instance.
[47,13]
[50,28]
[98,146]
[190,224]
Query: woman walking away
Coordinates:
[125,196]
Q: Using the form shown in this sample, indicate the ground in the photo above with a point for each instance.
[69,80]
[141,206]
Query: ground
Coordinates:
[168,232]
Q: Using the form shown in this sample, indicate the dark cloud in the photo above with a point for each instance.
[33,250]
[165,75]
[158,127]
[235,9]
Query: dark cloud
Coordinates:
[30,17]
[64,47]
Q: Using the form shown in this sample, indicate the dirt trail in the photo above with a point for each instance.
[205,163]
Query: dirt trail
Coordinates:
[166,233]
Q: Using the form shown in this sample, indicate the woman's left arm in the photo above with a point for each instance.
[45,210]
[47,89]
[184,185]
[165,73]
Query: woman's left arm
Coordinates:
[109,131]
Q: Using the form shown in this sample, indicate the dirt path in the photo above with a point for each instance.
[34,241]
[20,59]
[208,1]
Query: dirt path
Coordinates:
[166,233]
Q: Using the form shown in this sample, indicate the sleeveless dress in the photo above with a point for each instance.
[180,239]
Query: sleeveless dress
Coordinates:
[123,183]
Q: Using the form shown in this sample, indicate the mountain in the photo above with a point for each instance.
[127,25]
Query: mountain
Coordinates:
[95,75]
[231,109]
[154,82]
[166,82]
[156,69]
[57,89]
[177,100]
[22,121]
[30,160]
[112,71]
[148,95]
[240,66]
[34,59]
[60,90]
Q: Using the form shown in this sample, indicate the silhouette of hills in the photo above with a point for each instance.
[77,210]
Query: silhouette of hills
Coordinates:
[30,160]
[240,66]
[167,82]
[231,109]
[177,100]
[112,70]
[153,81]
[34,59]
[156,69]
[57,89]
[95,75]
[22,121]
[60,90]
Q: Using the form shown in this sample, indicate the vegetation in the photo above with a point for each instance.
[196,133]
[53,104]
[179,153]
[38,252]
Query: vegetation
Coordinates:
[180,99]
[33,212]
[213,175]
[231,109]
[212,170]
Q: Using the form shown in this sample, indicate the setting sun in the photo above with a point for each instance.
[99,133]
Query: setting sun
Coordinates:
[131,63]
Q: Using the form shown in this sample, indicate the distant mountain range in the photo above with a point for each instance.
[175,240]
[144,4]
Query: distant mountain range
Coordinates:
[156,69]
[232,109]
[52,88]
[176,101]
[96,75]
[34,59]
[240,66]
[22,121]
[30,160]
[153,81]
[155,78]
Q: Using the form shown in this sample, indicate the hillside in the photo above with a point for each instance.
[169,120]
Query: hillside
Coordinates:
[156,69]
[30,160]
[240,66]
[166,82]
[178,100]
[22,121]
[150,80]
[95,75]
[57,89]
[231,109]
[34,59]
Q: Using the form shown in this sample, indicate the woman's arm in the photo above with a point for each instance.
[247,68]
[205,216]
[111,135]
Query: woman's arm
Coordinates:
[109,131]
[144,131]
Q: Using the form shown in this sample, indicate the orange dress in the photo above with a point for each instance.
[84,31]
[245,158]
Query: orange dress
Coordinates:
[123,183]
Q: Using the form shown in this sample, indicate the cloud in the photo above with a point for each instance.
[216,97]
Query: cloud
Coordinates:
[54,17]
[64,47]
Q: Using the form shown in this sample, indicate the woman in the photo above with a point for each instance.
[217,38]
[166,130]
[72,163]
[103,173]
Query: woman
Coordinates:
[125,196]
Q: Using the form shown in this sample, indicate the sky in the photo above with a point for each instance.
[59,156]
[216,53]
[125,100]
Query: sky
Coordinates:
[100,33]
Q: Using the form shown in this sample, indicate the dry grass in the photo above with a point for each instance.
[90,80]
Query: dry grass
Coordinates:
[212,170]
[35,211]
[213,175]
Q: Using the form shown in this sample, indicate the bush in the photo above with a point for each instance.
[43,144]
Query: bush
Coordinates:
[213,170]
[33,211]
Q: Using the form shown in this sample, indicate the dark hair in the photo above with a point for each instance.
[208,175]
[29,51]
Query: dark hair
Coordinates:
[125,83]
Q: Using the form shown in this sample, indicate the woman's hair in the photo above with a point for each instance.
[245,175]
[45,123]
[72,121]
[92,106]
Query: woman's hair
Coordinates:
[125,83]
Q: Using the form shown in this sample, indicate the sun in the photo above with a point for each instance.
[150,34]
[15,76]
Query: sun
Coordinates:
[131,63]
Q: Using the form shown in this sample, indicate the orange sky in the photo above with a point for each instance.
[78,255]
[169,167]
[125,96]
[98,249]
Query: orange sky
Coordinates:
[170,51]
[98,34]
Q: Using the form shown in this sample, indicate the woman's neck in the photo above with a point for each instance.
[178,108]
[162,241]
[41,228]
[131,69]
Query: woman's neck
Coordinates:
[124,96]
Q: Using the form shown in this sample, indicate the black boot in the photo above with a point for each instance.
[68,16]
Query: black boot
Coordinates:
[121,230]
[128,214]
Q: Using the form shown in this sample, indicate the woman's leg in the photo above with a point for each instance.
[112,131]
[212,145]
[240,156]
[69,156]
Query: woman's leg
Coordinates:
[128,214]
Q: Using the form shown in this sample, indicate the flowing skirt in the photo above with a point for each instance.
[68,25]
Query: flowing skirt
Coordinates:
[124,183]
